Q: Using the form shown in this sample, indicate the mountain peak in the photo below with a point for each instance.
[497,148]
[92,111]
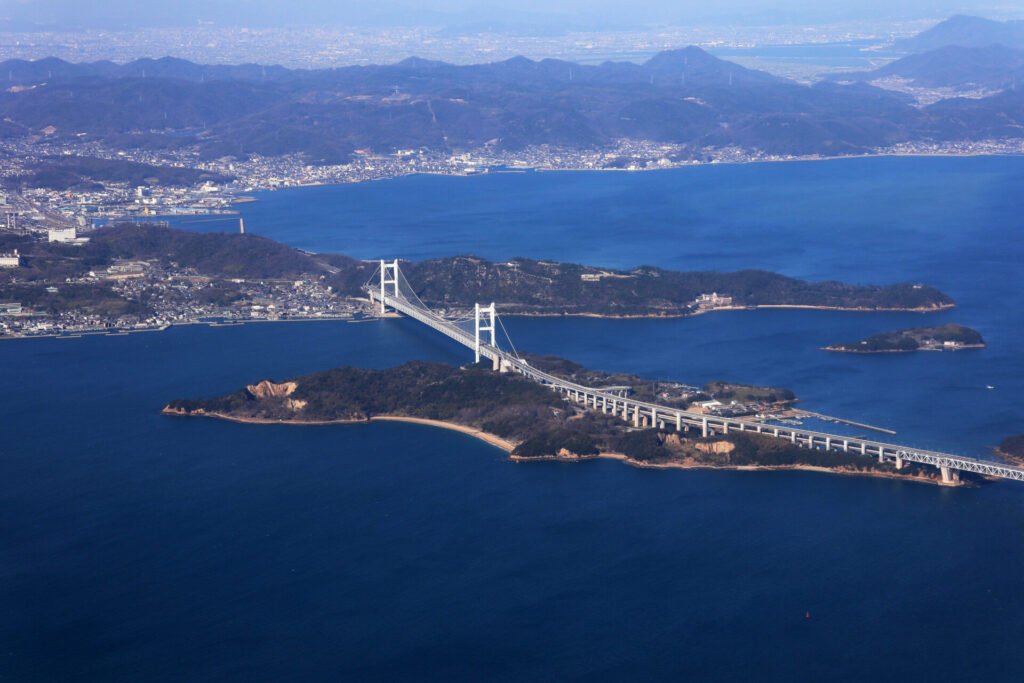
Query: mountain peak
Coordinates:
[966,31]
[694,66]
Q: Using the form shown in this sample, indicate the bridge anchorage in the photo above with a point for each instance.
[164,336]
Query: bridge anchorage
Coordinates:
[389,288]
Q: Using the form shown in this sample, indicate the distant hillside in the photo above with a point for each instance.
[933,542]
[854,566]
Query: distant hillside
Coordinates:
[972,119]
[684,97]
[528,286]
[994,67]
[214,254]
[966,31]
[520,286]
[83,173]
[52,70]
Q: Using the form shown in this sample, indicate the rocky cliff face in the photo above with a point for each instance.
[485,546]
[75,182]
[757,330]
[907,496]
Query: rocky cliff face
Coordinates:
[267,389]
[715,447]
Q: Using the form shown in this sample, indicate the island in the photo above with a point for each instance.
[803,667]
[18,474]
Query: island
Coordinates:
[1011,449]
[525,419]
[950,337]
[150,276]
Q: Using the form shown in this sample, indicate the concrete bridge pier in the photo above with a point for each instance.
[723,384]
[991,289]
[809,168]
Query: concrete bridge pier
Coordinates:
[636,416]
[899,461]
[948,474]
[679,422]
[704,427]
[881,454]
[846,446]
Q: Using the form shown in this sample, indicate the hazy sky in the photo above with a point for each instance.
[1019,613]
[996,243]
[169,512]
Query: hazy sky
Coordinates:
[135,13]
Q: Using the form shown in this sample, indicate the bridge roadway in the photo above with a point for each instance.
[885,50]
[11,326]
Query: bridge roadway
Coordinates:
[644,414]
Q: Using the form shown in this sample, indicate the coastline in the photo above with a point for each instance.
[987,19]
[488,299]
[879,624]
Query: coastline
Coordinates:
[877,154]
[625,459]
[120,332]
[492,439]
[508,447]
[487,437]
[839,349]
[123,332]
[690,314]
[1008,457]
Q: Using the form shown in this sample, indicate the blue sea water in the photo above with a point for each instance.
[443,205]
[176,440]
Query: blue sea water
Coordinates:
[135,546]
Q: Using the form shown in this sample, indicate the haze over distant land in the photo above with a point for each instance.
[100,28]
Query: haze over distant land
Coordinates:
[680,97]
[594,14]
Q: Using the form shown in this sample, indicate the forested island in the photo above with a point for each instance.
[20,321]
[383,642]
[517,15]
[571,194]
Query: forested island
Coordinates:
[526,419]
[950,337]
[1012,449]
[151,274]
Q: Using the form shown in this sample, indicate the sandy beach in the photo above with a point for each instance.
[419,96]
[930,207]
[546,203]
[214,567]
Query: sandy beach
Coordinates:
[508,447]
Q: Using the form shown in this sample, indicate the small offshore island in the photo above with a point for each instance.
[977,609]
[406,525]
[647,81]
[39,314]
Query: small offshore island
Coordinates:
[1011,449]
[951,337]
[527,420]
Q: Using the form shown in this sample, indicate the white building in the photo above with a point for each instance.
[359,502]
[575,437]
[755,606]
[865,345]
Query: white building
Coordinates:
[12,260]
[66,236]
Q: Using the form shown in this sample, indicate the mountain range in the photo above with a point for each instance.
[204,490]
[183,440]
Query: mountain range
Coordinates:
[684,96]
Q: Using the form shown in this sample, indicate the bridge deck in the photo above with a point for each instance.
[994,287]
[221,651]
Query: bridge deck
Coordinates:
[605,399]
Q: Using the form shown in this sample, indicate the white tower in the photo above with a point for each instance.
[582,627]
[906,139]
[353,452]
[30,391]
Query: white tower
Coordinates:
[487,326]
[388,276]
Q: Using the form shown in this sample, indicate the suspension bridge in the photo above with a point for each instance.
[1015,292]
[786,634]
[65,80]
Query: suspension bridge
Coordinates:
[388,289]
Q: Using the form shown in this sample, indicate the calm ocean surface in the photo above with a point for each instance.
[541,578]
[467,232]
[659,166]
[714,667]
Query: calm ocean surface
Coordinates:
[135,546]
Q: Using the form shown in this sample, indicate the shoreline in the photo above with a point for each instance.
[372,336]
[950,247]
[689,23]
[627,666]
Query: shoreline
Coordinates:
[492,439]
[839,349]
[1009,457]
[121,332]
[878,154]
[691,314]
[625,459]
[508,447]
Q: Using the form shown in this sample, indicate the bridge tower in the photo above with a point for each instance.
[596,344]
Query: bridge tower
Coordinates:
[388,276]
[486,325]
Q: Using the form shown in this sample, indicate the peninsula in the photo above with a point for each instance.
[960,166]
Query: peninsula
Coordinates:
[527,420]
[950,337]
[149,276]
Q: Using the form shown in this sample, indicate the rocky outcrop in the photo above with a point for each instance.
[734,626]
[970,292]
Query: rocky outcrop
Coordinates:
[267,389]
[716,447]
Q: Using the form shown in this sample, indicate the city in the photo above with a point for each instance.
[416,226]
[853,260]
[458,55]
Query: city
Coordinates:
[37,209]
